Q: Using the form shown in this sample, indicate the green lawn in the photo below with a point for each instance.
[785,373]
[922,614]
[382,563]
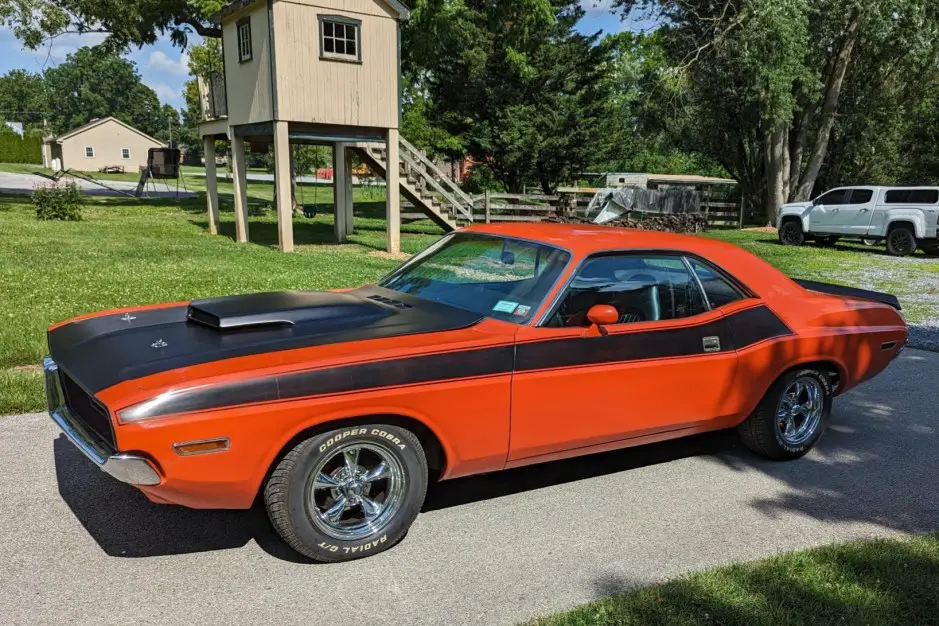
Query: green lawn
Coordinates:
[867,582]
[128,252]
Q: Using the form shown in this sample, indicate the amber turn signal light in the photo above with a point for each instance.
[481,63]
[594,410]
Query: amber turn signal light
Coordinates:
[202,447]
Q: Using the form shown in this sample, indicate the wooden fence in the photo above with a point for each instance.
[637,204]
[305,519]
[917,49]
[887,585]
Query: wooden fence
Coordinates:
[508,207]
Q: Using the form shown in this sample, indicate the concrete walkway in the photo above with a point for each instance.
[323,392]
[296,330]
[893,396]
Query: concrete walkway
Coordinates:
[75,544]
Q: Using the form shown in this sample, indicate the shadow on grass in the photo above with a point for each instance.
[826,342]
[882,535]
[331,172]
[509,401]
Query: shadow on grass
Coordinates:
[874,582]
[852,246]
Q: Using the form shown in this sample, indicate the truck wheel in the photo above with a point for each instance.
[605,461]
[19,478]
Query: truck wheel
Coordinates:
[790,233]
[901,241]
[791,416]
[348,493]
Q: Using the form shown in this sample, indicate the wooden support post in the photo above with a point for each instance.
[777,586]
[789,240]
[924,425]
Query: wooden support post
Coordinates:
[339,192]
[743,206]
[283,187]
[349,197]
[240,179]
[211,183]
[393,193]
[488,207]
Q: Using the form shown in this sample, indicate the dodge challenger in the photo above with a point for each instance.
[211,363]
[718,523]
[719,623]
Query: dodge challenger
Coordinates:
[496,347]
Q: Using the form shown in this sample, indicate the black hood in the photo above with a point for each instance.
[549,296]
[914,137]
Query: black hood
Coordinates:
[103,351]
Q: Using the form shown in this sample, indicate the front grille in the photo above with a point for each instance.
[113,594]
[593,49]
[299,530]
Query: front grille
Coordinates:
[84,407]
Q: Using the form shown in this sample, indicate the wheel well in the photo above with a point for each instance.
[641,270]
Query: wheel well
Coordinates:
[829,368]
[433,449]
[898,224]
[791,218]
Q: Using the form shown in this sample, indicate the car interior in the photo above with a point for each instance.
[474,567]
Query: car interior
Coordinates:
[641,289]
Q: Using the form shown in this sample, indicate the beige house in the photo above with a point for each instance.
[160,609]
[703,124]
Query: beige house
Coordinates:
[100,143]
[317,72]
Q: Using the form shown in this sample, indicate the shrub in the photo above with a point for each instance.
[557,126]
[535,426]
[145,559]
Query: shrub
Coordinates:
[56,201]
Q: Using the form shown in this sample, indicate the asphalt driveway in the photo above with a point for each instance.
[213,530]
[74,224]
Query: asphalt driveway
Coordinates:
[76,545]
[23,184]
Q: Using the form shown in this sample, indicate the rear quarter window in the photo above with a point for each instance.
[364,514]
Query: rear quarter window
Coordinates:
[912,196]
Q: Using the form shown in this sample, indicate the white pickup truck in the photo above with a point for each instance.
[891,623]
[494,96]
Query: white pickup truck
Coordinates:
[904,217]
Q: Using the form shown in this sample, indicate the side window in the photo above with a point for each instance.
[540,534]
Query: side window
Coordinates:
[642,288]
[838,196]
[718,289]
[861,196]
[912,196]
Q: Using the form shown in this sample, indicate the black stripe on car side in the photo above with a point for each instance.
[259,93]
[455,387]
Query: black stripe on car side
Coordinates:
[462,364]
[755,325]
[736,331]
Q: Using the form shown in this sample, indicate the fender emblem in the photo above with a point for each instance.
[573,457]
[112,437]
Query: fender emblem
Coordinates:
[159,343]
[712,344]
[128,318]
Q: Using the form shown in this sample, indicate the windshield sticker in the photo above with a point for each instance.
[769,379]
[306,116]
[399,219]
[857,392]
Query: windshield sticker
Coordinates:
[522,310]
[504,306]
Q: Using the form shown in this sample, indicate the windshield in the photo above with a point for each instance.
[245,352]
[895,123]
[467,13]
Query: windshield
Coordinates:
[494,276]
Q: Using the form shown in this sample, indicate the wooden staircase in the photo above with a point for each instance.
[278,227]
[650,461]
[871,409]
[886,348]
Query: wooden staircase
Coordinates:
[422,183]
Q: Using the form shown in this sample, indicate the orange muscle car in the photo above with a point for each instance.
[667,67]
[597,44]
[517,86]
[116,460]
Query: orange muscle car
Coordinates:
[496,347]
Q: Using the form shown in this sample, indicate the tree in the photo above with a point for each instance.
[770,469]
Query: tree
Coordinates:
[23,99]
[126,23]
[766,78]
[91,84]
[513,84]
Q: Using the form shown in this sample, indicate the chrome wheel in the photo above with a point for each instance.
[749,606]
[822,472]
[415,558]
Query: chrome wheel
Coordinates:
[800,411]
[356,491]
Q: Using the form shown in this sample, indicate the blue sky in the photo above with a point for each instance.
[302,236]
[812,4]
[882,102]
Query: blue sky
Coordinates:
[163,67]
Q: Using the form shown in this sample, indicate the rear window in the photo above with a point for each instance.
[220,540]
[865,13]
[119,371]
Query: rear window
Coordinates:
[912,196]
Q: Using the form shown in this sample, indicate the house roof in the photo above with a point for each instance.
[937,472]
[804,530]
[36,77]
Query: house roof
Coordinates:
[237,5]
[99,122]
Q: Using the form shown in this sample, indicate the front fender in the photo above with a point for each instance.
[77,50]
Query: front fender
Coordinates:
[802,213]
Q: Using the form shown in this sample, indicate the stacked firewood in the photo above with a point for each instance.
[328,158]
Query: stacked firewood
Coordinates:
[683,223]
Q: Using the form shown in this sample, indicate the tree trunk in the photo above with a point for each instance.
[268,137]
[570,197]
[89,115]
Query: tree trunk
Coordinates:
[833,86]
[774,160]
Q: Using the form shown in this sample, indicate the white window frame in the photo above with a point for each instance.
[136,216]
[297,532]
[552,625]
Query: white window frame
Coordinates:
[335,22]
[92,155]
[243,30]
[127,150]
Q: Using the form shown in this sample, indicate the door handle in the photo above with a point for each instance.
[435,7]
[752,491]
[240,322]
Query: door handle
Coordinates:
[864,210]
[835,210]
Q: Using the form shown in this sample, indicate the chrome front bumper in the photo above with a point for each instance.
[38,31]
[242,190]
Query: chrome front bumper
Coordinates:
[127,468]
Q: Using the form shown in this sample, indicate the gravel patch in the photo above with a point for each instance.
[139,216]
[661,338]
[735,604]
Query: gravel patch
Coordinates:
[924,336]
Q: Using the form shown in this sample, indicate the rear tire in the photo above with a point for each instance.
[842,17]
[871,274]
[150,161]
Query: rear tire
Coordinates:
[348,493]
[791,417]
[901,241]
[790,233]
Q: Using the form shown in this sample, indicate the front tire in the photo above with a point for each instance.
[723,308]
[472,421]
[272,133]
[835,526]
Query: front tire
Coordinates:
[901,241]
[348,493]
[790,233]
[791,417]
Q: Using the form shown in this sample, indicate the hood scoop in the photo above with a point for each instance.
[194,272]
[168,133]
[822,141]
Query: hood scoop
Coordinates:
[285,308]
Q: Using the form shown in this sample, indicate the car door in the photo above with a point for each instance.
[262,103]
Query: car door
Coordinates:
[855,216]
[826,212]
[665,365]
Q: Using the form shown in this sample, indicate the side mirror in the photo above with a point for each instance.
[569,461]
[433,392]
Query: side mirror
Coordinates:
[508,258]
[602,315]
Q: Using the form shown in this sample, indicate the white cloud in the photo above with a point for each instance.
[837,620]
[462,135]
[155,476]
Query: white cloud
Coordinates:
[160,62]
[55,51]
[166,93]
